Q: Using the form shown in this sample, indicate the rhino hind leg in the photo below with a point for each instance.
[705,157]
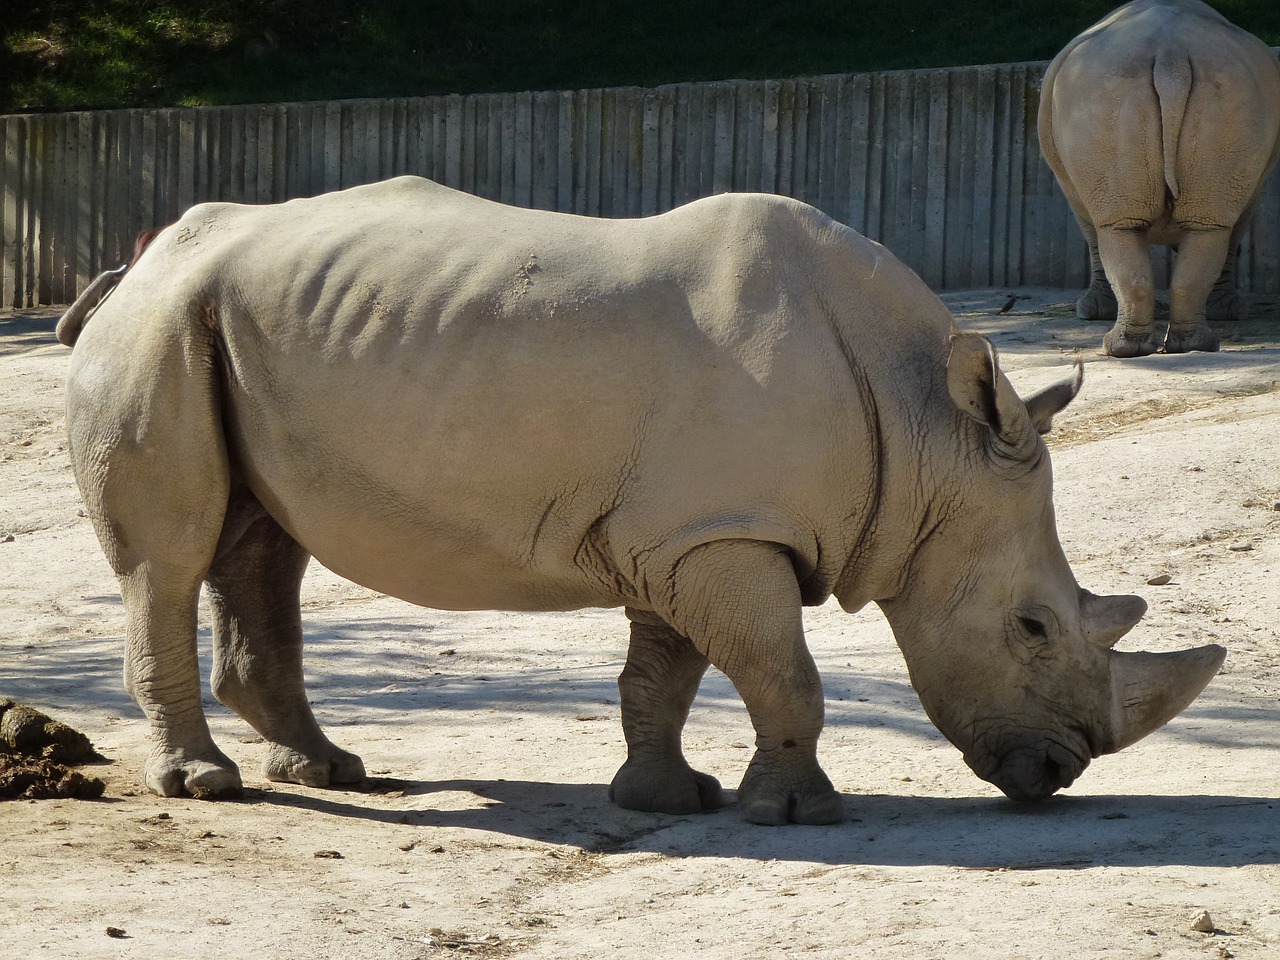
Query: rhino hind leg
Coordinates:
[1128,266]
[1202,255]
[657,687]
[738,601]
[254,587]
[162,675]
[157,505]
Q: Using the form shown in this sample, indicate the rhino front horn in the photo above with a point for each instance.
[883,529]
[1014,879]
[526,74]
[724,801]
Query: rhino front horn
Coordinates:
[1150,689]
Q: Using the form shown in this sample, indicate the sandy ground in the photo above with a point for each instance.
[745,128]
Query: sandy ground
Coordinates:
[485,829]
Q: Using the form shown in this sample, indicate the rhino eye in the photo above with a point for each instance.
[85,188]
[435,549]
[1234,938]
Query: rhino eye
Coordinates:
[1033,626]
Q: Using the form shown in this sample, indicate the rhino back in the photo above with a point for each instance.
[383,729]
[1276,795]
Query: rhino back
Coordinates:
[468,405]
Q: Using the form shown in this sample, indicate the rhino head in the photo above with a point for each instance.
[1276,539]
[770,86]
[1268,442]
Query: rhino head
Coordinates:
[1011,658]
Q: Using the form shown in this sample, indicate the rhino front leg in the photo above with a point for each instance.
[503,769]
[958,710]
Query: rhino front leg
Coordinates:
[1201,256]
[1225,301]
[739,603]
[1127,259]
[1099,301]
[254,588]
[657,687]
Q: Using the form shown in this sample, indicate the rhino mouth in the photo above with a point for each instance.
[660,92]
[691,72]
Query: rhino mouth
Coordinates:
[1032,772]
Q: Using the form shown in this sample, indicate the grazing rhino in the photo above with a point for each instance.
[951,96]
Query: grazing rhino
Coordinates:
[710,417]
[1160,122]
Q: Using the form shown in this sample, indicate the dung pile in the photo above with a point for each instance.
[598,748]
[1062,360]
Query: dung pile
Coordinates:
[36,755]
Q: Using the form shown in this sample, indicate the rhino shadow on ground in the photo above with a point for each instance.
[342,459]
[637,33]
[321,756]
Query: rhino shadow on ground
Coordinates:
[374,670]
[977,833]
[24,332]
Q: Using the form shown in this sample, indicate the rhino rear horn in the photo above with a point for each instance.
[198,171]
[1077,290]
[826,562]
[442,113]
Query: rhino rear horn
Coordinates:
[1107,619]
[1150,689]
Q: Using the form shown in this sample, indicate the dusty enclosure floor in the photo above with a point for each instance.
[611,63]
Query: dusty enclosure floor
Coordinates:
[491,737]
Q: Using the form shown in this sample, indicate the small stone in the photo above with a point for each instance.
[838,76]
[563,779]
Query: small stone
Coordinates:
[327,855]
[1203,923]
[1159,580]
[116,933]
[1242,546]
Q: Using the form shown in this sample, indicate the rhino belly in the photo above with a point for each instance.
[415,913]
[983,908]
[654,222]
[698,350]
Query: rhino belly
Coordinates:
[423,527]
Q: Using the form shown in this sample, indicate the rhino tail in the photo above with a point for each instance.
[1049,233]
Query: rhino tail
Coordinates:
[77,315]
[72,322]
[1171,74]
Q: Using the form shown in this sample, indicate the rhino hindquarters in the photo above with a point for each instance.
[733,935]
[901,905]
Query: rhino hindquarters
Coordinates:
[151,464]
[257,646]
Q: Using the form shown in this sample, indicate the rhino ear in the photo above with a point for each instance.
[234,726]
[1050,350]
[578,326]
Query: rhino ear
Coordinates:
[981,391]
[1049,402]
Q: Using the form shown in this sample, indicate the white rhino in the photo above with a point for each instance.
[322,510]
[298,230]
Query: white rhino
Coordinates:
[1160,122]
[710,418]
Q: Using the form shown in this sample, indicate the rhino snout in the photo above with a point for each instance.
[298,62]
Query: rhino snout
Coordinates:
[1033,773]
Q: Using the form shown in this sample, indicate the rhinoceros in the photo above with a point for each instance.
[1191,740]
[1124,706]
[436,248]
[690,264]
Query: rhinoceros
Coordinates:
[1160,122]
[710,418]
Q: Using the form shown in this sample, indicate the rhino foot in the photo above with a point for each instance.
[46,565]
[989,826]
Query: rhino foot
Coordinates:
[174,774]
[664,786]
[769,799]
[326,767]
[1120,343]
[1226,305]
[1097,303]
[1200,338]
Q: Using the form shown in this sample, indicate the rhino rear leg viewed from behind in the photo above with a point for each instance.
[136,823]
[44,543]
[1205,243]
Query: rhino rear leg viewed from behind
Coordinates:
[1198,267]
[738,602]
[257,647]
[1128,264]
[147,447]
[657,688]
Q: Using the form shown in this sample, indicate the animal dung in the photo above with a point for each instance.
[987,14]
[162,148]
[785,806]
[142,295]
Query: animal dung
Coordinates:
[35,754]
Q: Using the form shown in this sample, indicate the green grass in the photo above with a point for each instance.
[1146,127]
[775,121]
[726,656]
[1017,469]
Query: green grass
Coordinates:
[73,54]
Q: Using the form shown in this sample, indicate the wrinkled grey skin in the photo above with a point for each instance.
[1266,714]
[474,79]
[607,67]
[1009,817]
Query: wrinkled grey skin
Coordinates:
[1160,122]
[709,418]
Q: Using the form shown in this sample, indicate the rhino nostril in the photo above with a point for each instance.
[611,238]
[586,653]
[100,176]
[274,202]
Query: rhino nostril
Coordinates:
[1054,774]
